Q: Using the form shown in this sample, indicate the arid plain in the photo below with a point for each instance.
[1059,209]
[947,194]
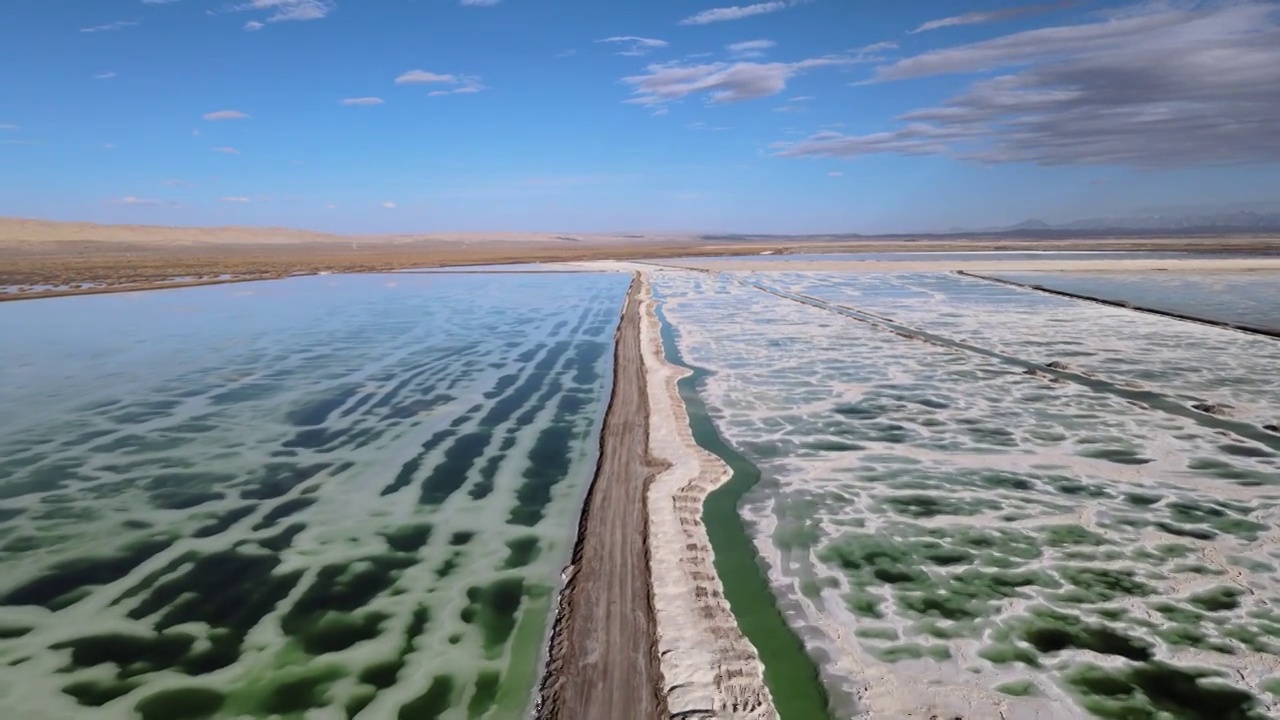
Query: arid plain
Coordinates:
[42,258]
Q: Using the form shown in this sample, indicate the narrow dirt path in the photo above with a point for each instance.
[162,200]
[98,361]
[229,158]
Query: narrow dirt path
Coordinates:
[603,661]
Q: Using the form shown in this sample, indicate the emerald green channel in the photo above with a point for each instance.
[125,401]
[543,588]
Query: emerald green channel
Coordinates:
[789,672]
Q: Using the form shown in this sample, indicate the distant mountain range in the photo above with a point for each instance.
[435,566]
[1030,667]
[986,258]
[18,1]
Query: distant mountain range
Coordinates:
[1205,222]
[1241,220]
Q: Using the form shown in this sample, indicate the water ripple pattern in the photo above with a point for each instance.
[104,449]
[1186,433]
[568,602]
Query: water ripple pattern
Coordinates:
[954,535]
[338,497]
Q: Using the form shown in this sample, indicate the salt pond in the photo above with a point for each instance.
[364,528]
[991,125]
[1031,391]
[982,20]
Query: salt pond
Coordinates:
[1244,298]
[1190,363]
[954,533]
[331,496]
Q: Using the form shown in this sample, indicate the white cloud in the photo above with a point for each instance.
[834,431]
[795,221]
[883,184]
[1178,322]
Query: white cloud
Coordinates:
[462,84]
[739,12]
[873,53]
[478,3]
[469,87]
[117,25]
[990,16]
[9,126]
[253,26]
[363,101]
[290,10]
[225,115]
[109,146]
[388,205]
[234,199]
[1168,84]
[226,150]
[635,46]
[877,47]
[724,82]
[1109,35]
[134,200]
[422,77]
[104,76]
[835,174]
[750,48]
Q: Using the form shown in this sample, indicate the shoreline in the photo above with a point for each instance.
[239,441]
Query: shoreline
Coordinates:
[794,671]
[607,596]
[144,287]
[709,668]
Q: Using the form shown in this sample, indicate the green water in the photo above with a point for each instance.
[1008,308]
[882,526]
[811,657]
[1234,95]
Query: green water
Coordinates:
[789,672]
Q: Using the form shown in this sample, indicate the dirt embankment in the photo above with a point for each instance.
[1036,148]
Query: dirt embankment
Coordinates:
[603,659]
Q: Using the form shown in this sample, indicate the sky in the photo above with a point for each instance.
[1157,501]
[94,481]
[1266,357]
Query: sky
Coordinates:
[776,116]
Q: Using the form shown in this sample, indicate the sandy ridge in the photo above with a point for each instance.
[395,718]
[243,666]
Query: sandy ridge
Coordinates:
[709,668]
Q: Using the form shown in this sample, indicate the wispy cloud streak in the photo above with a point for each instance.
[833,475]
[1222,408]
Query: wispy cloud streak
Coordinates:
[1166,85]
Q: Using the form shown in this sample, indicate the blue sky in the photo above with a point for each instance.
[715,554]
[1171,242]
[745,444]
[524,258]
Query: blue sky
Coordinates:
[781,116]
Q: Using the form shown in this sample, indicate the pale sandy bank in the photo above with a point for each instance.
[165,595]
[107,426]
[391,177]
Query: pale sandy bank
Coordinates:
[709,669]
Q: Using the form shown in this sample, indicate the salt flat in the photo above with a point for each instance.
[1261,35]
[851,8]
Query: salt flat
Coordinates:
[1193,363]
[1247,298]
[1119,262]
[963,537]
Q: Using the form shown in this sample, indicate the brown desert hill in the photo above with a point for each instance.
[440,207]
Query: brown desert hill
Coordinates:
[40,258]
[23,231]
[15,231]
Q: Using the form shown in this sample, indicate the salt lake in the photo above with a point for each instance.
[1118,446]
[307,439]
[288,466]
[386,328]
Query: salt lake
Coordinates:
[345,495]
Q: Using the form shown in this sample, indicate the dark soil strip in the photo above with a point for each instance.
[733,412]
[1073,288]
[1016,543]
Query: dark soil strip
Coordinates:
[603,660]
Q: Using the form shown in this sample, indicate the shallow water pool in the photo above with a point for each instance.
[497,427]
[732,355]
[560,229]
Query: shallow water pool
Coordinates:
[345,495]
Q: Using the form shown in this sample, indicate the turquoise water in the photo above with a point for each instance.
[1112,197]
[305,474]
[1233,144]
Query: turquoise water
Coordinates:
[790,674]
[340,496]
